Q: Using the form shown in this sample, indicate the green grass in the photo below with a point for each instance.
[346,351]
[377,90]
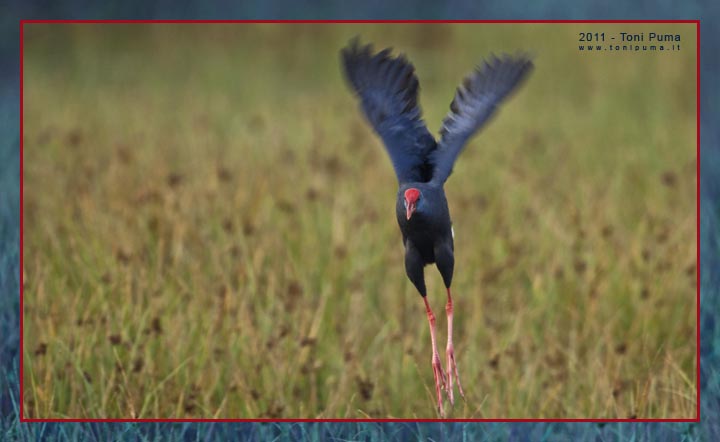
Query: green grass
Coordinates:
[209,228]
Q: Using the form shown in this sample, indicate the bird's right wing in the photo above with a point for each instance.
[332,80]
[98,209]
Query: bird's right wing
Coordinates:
[388,90]
[475,102]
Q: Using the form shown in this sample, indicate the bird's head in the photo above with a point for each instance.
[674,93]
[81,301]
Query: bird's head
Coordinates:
[412,196]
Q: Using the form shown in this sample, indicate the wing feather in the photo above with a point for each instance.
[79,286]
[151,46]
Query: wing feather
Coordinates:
[388,91]
[476,100]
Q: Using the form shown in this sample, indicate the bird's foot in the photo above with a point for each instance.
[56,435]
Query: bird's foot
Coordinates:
[452,369]
[440,382]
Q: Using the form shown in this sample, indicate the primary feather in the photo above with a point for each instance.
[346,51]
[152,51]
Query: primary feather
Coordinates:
[388,91]
[475,102]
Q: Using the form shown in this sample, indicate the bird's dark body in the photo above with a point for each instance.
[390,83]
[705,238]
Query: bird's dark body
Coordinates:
[427,235]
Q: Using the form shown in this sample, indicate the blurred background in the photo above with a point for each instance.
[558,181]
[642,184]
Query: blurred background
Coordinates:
[210,230]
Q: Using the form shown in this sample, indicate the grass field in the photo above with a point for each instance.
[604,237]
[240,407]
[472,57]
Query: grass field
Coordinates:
[209,228]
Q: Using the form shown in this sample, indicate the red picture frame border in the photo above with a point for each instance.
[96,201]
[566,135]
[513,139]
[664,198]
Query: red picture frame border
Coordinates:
[697,178]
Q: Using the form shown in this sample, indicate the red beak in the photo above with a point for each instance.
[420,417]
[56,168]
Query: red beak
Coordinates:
[410,209]
[411,199]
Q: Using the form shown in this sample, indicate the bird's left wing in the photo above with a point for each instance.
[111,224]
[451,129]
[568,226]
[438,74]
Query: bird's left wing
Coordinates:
[388,91]
[475,102]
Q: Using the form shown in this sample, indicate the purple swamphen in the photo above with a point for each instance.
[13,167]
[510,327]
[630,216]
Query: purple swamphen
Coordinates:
[388,91]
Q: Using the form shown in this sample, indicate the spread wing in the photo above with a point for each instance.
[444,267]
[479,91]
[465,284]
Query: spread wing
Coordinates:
[475,102]
[388,92]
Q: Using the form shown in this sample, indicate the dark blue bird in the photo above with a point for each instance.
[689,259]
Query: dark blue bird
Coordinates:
[388,91]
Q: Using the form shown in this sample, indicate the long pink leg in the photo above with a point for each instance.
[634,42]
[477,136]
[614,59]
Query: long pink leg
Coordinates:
[437,366]
[450,352]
